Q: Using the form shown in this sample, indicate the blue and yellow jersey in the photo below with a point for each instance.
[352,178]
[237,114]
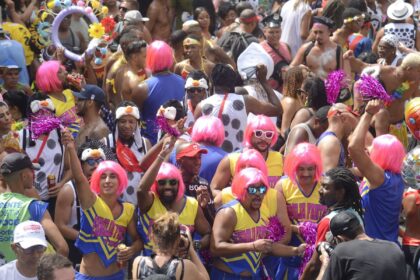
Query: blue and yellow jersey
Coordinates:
[269,201]
[246,230]
[145,220]
[300,207]
[66,111]
[274,165]
[100,233]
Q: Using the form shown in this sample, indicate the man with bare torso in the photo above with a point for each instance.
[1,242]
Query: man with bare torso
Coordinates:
[160,16]
[321,56]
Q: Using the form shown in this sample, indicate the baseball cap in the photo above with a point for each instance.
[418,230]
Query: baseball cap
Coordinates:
[322,113]
[191,151]
[343,223]
[28,234]
[91,92]
[134,16]
[16,161]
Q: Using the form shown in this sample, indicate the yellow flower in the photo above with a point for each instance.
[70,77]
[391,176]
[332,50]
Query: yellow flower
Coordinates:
[50,4]
[105,10]
[96,30]
[44,16]
[95,4]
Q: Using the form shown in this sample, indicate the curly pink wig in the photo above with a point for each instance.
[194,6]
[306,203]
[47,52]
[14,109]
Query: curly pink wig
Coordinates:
[169,171]
[159,56]
[259,122]
[388,152]
[303,153]
[251,158]
[208,129]
[244,179]
[46,76]
[114,167]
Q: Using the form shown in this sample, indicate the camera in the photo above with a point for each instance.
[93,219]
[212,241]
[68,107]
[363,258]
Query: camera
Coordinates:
[327,247]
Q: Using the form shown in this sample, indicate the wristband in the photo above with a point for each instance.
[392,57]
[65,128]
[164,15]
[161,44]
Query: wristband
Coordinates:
[161,157]
[253,245]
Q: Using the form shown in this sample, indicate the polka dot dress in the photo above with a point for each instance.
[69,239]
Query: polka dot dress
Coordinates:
[404,31]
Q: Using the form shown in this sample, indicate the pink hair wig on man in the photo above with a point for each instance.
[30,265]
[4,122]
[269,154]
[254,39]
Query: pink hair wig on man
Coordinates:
[103,167]
[303,153]
[245,178]
[259,122]
[251,158]
[388,152]
[169,171]
[208,129]
[47,76]
[159,56]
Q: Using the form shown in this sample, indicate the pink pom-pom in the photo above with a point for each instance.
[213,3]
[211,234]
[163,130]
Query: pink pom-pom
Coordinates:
[162,123]
[308,231]
[80,3]
[88,10]
[275,230]
[370,88]
[333,85]
[43,122]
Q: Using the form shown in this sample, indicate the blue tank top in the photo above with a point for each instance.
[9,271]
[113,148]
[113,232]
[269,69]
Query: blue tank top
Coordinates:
[342,159]
[162,87]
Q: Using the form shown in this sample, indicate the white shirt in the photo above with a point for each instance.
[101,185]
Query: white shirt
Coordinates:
[9,271]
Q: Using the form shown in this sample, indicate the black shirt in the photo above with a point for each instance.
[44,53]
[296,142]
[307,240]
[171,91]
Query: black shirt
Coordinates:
[191,190]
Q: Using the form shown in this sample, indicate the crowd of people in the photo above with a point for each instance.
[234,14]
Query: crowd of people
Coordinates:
[157,139]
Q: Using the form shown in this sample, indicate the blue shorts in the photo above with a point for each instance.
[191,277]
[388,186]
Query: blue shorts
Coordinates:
[117,276]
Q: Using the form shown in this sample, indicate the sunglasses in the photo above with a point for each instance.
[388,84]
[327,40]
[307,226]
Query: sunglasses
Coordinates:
[266,133]
[124,9]
[164,182]
[255,190]
[33,249]
[195,89]
[93,161]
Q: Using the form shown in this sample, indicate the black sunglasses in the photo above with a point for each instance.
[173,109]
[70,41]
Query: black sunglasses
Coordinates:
[93,161]
[195,89]
[171,182]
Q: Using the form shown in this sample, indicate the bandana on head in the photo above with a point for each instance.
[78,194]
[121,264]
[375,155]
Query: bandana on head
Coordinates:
[127,111]
[190,41]
[355,18]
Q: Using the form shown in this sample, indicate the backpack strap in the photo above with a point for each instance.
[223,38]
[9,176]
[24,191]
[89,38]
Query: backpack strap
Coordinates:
[307,51]
[182,269]
[24,139]
[337,57]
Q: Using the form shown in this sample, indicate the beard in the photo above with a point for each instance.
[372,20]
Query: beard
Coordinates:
[165,198]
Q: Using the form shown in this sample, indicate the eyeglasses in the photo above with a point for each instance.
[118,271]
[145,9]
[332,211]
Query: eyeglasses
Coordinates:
[164,182]
[266,133]
[93,161]
[255,190]
[301,91]
[195,89]
[33,249]
[124,9]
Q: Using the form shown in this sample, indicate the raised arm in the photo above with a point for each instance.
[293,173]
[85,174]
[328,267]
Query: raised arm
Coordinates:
[86,197]
[370,170]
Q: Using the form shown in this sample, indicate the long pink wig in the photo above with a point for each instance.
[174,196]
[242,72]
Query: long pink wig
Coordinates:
[251,158]
[244,179]
[114,167]
[169,171]
[303,153]
[259,122]
[46,77]
[208,129]
[159,56]
[388,152]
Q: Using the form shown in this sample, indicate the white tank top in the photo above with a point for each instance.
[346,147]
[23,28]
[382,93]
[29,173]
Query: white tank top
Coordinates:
[311,137]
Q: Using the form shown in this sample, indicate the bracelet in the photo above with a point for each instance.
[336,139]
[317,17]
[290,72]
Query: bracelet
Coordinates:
[161,157]
[253,245]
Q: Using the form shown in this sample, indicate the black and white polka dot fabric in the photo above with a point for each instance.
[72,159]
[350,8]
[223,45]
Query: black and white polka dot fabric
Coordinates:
[405,32]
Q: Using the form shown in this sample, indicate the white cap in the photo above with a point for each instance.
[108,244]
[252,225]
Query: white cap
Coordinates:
[134,15]
[28,234]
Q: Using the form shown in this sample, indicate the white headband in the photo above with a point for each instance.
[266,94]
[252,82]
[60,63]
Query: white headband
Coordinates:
[37,105]
[93,153]
[190,82]
[127,111]
[168,112]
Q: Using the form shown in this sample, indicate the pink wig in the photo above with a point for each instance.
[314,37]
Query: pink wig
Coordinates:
[303,153]
[169,171]
[244,179]
[251,158]
[208,129]
[388,152]
[259,122]
[46,77]
[114,167]
[159,56]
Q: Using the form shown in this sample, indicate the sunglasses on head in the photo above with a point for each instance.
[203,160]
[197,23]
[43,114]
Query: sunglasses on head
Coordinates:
[255,190]
[266,133]
[195,89]
[171,182]
[93,161]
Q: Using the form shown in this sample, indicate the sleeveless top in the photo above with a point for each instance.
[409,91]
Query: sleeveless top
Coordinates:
[342,158]
[311,137]
[168,269]
[301,207]
[234,117]
[76,207]
[405,32]
[283,50]
[145,220]
[274,165]
[100,233]
[161,88]
[246,230]
[66,111]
